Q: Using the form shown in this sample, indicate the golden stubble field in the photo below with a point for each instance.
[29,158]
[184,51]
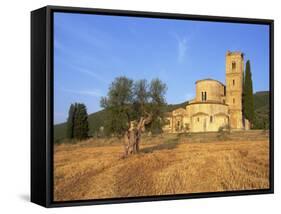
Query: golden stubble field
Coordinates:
[167,164]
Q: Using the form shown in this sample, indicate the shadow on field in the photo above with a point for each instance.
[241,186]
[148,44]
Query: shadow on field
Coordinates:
[170,144]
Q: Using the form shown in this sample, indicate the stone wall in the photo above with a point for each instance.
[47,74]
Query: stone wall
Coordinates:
[207,116]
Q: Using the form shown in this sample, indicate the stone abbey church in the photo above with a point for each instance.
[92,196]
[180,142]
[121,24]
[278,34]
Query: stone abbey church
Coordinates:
[216,104]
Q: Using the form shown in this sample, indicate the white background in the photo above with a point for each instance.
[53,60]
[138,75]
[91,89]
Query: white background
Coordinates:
[15,105]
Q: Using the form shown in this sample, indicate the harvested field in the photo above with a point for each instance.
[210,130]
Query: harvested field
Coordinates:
[168,164]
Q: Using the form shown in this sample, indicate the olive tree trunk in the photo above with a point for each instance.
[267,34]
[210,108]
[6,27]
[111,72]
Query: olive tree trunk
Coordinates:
[132,136]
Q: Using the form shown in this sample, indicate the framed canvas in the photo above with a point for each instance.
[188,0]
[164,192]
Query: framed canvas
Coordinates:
[130,106]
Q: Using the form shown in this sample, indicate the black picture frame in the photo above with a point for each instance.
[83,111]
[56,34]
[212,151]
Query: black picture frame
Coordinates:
[42,104]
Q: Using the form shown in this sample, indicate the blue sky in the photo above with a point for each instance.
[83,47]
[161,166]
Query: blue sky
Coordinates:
[91,50]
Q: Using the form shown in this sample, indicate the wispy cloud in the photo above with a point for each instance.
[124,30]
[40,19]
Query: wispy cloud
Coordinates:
[95,75]
[93,93]
[182,46]
[86,34]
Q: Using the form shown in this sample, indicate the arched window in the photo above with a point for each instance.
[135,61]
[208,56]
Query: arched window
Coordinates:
[203,95]
[233,82]
[233,100]
[211,119]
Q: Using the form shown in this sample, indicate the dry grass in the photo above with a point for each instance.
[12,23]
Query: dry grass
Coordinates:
[166,165]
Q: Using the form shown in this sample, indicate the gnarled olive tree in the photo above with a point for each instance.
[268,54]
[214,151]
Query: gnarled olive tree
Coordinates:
[132,108]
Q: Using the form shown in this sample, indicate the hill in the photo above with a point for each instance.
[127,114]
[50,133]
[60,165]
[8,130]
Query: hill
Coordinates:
[96,120]
[261,106]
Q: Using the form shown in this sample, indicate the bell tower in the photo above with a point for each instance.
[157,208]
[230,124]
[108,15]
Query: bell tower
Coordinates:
[234,88]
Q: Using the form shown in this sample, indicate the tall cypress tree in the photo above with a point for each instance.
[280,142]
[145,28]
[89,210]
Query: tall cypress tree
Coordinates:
[70,122]
[75,124]
[248,102]
[81,125]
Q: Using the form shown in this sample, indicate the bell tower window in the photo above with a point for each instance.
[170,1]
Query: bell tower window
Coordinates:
[233,82]
[233,66]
